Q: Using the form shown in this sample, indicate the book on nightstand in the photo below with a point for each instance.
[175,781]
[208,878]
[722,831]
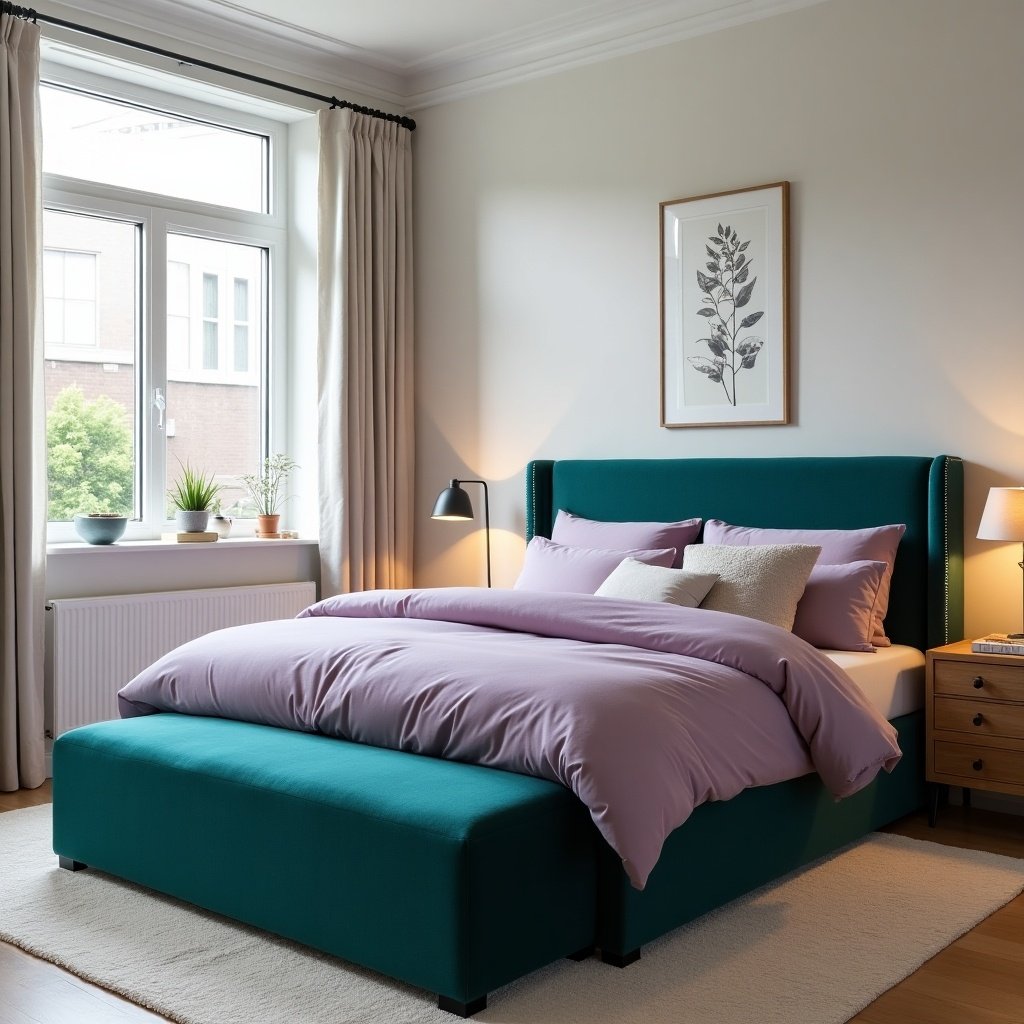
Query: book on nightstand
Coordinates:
[998,643]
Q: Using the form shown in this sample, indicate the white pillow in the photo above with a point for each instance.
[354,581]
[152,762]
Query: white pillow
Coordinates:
[634,581]
[763,582]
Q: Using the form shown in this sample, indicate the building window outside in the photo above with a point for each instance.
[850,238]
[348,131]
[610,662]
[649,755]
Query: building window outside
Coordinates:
[108,451]
[69,297]
[211,305]
[241,325]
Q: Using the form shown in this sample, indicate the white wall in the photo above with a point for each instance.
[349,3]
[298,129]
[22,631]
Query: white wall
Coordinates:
[900,124]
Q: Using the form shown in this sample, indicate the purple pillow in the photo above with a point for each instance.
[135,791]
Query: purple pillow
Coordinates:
[838,606]
[552,567]
[593,533]
[873,544]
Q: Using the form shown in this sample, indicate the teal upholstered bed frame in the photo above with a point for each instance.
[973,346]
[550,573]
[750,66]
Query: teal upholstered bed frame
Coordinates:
[726,849]
[926,605]
[459,878]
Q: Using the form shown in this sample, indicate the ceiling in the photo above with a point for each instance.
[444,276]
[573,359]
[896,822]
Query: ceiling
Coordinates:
[413,53]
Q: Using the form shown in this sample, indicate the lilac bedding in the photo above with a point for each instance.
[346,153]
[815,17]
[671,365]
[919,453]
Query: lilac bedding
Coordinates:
[644,711]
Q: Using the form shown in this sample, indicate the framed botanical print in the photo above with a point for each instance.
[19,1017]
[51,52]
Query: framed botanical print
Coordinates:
[724,325]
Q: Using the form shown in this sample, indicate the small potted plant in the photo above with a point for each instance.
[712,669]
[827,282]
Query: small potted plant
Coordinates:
[266,488]
[192,496]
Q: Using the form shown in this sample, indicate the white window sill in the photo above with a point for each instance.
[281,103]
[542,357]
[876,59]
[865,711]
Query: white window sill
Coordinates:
[137,546]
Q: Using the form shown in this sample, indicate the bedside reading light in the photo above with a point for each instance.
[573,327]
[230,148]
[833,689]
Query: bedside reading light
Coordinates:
[1003,519]
[453,505]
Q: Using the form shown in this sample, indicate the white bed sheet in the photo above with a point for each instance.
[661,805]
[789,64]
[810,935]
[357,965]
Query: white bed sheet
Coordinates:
[892,678]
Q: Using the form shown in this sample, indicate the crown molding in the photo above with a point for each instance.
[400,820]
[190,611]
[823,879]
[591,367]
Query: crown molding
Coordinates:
[611,28]
[222,30]
[563,43]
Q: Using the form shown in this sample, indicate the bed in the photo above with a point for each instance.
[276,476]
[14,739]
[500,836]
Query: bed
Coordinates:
[459,877]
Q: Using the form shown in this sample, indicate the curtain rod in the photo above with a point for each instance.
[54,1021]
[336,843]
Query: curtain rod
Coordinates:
[35,16]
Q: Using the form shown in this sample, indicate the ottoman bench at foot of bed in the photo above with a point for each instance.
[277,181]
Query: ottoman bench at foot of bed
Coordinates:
[451,877]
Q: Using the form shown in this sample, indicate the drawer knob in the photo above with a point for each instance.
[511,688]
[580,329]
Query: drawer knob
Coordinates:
[978,718]
[978,682]
[978,765]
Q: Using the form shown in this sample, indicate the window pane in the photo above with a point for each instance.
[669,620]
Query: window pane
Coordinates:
[241,300]
[216,405]
[134,147]
[241,348]
[89,375]
[79,322]
[177,288]
[209,344]
[80,275]
[210,303]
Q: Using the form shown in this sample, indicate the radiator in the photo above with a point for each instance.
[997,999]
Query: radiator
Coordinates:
[97,644]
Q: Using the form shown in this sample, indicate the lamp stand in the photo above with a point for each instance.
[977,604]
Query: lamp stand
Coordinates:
[1020,636]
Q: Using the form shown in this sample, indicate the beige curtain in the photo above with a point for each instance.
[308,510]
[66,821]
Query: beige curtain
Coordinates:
[22,428]
[365,353]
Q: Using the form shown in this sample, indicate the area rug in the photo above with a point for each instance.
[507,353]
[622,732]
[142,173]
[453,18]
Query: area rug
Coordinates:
[812,948]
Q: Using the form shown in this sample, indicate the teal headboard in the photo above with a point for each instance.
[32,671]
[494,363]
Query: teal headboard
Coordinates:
[926,602]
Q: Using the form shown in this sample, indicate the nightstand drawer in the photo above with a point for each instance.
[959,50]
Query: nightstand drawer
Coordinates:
[979,717]
[986,764]
[962,678]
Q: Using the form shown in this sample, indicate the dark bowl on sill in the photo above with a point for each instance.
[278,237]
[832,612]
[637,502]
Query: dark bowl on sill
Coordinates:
[100,529]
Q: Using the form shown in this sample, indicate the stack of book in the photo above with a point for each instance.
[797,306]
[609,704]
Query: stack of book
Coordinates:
[999,643]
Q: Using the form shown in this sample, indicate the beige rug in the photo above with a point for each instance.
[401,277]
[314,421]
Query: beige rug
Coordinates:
[813,948]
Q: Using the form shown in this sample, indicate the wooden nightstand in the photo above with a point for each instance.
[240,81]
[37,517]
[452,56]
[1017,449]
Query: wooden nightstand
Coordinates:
[974,710]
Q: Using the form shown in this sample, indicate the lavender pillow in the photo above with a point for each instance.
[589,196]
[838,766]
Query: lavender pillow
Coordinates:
[838,605]
[593,533]
[873,544]
[551,567]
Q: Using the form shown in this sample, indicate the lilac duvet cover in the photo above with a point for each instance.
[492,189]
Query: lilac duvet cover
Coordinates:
[644,711]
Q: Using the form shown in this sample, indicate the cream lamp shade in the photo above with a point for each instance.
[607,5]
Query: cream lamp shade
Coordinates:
[1003,517]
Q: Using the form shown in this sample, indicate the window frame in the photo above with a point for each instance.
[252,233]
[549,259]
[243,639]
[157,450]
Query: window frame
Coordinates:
[160,215]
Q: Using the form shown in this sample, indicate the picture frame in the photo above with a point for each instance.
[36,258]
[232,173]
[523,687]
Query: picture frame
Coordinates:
[724,308]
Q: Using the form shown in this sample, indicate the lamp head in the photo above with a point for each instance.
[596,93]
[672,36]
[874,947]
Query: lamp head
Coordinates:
[452,504]
[1003,517]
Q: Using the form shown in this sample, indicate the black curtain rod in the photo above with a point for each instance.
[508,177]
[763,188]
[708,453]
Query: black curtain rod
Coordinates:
[35,16]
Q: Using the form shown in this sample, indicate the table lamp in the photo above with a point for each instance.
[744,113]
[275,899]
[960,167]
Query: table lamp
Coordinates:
[1003,519]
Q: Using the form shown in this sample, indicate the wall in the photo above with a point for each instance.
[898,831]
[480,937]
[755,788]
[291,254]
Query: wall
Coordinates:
[899,124]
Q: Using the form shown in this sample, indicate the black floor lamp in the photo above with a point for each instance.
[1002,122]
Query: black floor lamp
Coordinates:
[453,505]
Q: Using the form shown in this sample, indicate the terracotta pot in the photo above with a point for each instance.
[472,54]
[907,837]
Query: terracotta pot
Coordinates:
[267,524]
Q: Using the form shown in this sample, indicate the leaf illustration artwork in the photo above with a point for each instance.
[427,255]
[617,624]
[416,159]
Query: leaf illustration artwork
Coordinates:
[728,268]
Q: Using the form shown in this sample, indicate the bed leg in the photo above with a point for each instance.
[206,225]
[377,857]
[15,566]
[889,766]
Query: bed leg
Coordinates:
[582,954]
[71,865]
[620,959]
[461,1009]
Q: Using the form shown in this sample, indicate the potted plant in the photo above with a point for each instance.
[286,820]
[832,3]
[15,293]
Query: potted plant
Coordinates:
[192,495]
[266,488]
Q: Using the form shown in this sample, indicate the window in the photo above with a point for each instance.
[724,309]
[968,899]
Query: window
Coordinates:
[160,258]
[69,297]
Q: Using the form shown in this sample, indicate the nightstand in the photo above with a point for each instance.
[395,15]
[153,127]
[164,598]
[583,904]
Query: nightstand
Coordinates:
[974,711]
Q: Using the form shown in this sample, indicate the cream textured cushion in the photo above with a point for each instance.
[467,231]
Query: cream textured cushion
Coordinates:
[634,581]
[763,582]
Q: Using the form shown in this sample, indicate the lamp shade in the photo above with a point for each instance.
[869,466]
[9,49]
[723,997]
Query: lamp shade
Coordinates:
[452,503]
[1003,517]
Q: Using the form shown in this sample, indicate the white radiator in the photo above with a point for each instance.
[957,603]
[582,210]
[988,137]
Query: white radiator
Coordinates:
[97,644]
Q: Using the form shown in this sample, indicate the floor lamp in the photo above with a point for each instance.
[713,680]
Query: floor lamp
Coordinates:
[453,505]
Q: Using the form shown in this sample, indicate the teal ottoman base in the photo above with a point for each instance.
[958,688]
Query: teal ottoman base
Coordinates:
[452,877]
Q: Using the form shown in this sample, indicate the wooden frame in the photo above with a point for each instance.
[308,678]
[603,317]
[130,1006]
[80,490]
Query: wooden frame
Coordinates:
[724,253]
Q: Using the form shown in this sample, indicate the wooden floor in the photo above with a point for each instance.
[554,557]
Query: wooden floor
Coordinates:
[979,979]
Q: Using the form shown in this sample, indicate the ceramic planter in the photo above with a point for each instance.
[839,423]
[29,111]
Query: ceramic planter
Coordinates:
[191,521]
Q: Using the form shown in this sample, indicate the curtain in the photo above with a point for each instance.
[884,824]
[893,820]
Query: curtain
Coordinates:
[365,358]
[22,428]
